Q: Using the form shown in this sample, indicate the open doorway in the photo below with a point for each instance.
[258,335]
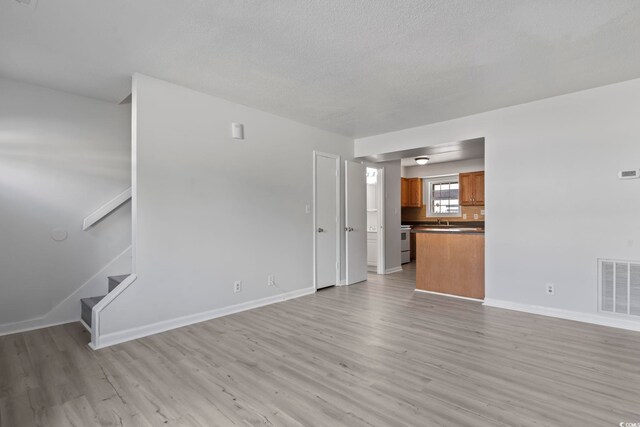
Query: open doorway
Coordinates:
[375,220]
[443,206]
[438,242]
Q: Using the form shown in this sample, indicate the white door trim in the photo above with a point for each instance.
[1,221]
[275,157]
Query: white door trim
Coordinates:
[315,215]
[381,218]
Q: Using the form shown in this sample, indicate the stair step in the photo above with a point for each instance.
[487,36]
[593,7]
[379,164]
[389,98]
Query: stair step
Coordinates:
[87,306]
[116,280]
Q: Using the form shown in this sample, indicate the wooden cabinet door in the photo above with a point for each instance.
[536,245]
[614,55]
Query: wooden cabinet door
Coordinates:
[466,189]
[404,192]
[478,188]
[472,189]
[415,187]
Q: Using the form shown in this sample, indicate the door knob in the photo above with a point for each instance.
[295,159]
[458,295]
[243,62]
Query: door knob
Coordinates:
[320,230]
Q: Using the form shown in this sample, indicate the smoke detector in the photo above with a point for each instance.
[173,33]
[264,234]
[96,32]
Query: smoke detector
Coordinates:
[28,3]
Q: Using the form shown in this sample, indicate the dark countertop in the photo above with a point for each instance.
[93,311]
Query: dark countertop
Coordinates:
[462,224]
[456,230]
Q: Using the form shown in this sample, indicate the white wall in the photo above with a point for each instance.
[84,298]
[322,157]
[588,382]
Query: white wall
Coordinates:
[211,210]
[446,168]
[555,203]
[61,157]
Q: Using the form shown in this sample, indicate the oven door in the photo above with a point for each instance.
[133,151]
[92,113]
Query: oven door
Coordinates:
[405,240]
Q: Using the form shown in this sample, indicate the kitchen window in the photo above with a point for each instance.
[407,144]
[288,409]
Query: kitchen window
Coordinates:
[443,196]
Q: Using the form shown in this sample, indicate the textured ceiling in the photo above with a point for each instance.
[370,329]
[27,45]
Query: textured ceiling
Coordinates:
[355,67]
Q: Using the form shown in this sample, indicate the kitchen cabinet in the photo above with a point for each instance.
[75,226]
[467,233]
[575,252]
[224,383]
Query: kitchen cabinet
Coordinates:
[451,263]
[404,192]
[472,189]
[411,192]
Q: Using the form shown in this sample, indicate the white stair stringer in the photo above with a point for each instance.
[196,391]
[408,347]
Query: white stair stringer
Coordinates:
[67,310]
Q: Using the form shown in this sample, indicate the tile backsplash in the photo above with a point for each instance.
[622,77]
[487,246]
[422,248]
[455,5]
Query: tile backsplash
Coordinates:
[420,214]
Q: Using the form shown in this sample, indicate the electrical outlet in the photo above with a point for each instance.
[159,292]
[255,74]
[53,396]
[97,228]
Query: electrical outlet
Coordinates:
[271,280]
[551,289]
[237,286]
[482,212]
[475,216]
[464,216]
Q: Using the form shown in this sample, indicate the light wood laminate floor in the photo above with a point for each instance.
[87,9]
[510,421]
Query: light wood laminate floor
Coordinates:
[374,353]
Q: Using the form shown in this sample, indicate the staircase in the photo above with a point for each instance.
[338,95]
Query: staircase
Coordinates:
[88,303]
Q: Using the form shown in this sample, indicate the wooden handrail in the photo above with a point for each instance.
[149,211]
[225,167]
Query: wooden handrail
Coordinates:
[107,208]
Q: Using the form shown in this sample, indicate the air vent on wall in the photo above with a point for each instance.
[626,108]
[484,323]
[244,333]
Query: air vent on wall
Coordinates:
[619,287]
[629,174]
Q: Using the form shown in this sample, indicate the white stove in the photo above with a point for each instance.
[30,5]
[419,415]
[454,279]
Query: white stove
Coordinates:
[405,244]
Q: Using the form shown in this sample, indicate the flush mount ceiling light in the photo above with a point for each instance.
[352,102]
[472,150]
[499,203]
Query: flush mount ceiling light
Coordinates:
[422,160]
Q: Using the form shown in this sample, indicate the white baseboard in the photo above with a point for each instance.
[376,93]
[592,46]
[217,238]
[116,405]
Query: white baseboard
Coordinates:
[32,325]
[393,270]
[596,319]
[68,310]
[448,295]
[114,338]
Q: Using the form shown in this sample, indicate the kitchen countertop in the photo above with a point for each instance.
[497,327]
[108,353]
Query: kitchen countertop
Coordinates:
[456,224]
[453,230]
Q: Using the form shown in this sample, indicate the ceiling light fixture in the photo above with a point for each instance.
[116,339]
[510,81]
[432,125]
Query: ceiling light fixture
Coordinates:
[422,160]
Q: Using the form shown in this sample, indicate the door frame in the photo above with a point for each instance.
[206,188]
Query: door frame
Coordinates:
[316,154]
[382,227]
[381,197]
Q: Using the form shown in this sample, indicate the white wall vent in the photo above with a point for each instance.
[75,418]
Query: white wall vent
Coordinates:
[619,287]
[629,174]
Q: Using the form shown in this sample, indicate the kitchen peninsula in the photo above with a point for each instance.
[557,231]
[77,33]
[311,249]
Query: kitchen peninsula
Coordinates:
[450,261]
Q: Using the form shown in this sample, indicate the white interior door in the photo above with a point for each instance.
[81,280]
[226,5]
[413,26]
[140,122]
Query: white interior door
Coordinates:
[356,221]
[327,220]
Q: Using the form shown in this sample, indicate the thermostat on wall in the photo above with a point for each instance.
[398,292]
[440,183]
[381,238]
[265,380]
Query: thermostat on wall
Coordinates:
[629,174]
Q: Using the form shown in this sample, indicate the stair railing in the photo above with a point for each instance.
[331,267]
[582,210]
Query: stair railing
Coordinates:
[106,209]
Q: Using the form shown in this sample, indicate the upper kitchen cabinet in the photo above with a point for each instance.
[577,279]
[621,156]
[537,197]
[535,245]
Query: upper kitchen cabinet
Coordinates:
[472,189]
[404,192]
[411,192]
